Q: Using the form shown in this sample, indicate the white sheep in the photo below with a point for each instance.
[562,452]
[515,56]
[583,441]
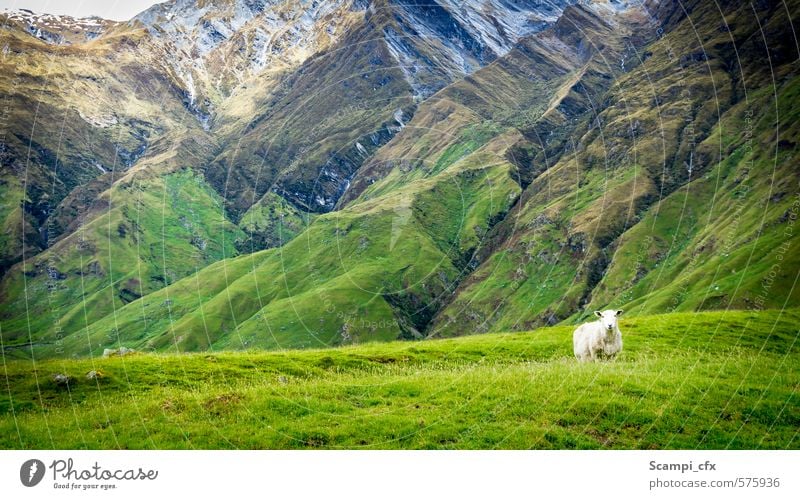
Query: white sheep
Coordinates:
[600,339]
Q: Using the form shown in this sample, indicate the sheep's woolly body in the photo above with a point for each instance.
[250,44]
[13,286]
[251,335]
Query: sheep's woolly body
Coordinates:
[593,341]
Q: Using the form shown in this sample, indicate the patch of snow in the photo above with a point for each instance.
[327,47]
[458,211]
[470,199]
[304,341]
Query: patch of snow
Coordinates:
[47,27]
[608,9]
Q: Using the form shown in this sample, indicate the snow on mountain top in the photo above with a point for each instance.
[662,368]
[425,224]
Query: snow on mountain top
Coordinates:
[58,29]
[54,19]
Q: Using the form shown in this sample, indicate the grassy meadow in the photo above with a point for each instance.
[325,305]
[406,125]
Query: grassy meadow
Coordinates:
[710,380]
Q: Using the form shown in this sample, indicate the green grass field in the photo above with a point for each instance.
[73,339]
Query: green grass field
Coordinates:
[685,380]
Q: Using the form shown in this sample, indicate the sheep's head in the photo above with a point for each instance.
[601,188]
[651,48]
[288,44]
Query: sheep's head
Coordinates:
[608,318]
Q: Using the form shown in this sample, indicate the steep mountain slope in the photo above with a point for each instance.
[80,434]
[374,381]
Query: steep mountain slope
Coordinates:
[540,88]
[640,209]
[385,263]
[213,47]
[304,135]
[96,140]
[371,272]
[245,130]
[416,169]
[140,125]
[72,113]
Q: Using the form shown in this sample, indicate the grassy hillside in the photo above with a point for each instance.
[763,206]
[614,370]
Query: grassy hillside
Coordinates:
[685,380]
[370,272]
[726,239]
[151,222]
[96,146]
[151,231]
[599,162]
[677,190]
[69,115]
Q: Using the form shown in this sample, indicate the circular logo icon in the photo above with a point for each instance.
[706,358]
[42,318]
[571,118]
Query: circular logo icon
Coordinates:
[31,472]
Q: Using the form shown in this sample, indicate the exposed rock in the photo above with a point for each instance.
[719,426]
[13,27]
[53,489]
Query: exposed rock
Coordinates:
[345,333]
[118,352]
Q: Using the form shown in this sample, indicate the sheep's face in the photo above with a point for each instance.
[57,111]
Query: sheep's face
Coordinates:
[608,318]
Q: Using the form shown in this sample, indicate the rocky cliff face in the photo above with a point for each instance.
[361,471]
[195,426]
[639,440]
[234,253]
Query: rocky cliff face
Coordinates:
[211,48]
[307,130]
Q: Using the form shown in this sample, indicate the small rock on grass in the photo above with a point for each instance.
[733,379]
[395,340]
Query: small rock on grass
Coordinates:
[109,352]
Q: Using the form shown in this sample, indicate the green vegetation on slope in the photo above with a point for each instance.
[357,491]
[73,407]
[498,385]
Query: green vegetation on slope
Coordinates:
[552,181]
[726,239]
[71,113]
[679,191]
[715,380]
[373,272]
[154,231]
[271,222]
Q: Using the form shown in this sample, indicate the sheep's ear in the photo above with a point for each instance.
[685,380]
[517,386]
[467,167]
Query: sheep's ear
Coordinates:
[598,313]
[619,312]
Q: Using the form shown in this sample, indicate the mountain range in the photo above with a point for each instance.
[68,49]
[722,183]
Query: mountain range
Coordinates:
[235,174]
